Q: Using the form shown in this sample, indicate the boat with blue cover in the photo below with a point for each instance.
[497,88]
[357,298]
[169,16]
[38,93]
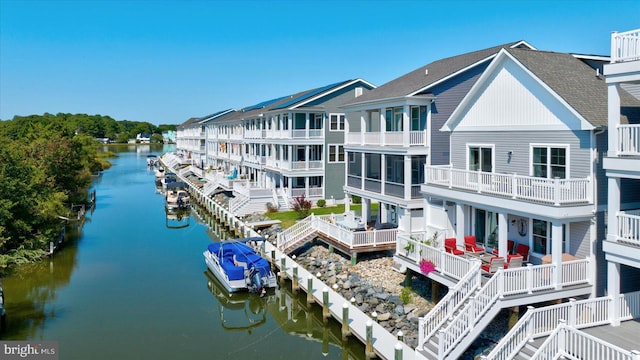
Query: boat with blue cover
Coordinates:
[238,266]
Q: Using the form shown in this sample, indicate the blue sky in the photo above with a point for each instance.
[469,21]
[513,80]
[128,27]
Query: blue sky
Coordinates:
[166,61]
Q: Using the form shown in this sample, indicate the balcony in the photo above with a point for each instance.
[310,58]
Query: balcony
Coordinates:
[293,134]
[555,192]
[625,46]
[295,165]
[386,188]
[629,227]
[387,138]
[628,140]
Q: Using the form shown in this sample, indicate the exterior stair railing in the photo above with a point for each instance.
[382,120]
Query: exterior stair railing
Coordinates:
[444,309]
[579,314]
[295,233]
[472,318]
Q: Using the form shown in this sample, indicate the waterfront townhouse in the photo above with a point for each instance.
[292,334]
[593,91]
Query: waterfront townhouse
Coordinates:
[525,177]
[191,137]
[284,148]
[601,327]
[392,132]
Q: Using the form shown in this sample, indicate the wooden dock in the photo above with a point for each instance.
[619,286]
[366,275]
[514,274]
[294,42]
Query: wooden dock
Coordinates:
[384,344]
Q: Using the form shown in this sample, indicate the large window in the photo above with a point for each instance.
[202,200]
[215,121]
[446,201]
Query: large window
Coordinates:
[417,169]
[540,236]
[355,164]
[336,153]
[418,118]
[336,122]
[486,228]
[372,166]
[393,119]
[395,168]
[481,158]
[549,162]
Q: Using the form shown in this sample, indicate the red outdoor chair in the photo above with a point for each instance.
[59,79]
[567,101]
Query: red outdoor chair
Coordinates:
[496,262]
[470,244]
[451,247]
[510,245]
[523,250]
[513,261]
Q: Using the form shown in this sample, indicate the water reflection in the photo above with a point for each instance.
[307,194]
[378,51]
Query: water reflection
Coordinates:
[177,219]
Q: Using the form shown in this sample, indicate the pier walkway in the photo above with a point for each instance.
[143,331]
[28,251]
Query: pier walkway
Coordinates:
[384,344]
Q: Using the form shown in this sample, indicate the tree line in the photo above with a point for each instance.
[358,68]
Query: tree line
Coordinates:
[46,166]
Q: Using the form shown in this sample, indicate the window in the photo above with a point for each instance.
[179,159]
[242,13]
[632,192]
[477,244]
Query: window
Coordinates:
[336,122]
[540,236]
[549,162]
[355,164]
[395,168]
[480,158]
[486,228]
[417,169]
[336,153]
[393,119]
[418,118]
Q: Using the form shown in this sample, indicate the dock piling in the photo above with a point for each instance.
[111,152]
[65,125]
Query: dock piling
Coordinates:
[325,303]
[345,320]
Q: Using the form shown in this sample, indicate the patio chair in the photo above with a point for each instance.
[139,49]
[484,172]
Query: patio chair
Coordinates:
[470,244]
[510,245]
[523,250]
[496,262]
[451,247]
[513,261]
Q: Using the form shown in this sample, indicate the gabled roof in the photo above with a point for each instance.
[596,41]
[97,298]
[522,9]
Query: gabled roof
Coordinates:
[426,76]
[293,101]
[573,82]
[200,120]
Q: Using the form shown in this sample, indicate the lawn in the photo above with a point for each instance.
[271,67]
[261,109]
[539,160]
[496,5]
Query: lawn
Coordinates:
[289,218]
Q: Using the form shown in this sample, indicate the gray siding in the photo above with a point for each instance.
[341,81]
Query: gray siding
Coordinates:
[518,143]
[580,233]
[448,96]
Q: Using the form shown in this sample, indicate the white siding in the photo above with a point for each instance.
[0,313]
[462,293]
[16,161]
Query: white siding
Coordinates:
[511,98]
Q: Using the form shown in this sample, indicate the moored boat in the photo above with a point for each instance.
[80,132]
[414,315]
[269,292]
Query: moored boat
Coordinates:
[152,160]
[238,266]
[177,196]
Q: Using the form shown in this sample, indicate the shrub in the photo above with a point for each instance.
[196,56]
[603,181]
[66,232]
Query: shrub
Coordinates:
[356,199]
[321,203]
[405,295]
[301,205]
[271,208]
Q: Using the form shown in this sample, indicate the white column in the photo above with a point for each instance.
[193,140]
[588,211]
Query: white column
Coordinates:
[461,221]
[503,234]
[306,157]
[556,252]
[366,210]
[383,173]
[290,122]
[363,126]
[306,186]
[383,210]
[406,126]
[613,207]
[347,202]
[383,125]
[613,95]
[306,125]
[613,290]
[363,170]
[407,177]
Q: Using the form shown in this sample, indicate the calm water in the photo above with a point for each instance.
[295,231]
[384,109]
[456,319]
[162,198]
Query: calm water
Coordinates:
[128,286]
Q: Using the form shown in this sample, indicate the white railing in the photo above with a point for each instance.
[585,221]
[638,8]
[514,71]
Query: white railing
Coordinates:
[293,134]
[507,282]
[629,227]
[295,233]
[352,239]
[568,342]
[625,46]
[447,264]
[237,202]
[551,191]
[628,139]
[387,138]
[441,312]
[253,134]
[540,322]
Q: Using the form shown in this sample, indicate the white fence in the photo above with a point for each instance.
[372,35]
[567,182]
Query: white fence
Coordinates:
[552,191]
[625,46]
[388,138]
[629,227]
[543,321]
[629,139]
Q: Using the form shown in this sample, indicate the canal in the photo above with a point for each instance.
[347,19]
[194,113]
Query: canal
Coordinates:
[132,284]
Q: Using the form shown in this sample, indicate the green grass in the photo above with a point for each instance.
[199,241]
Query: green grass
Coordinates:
[289,218]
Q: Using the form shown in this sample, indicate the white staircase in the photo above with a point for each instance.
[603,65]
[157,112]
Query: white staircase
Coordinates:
[296,235]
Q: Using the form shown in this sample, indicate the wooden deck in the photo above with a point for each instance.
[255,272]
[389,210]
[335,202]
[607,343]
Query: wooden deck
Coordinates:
[626,336]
